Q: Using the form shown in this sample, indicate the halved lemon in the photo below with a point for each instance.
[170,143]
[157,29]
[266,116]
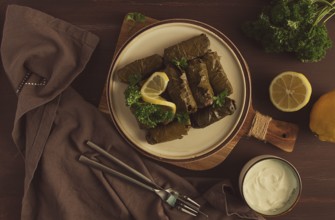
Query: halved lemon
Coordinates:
[322,117]
[154,87]
[290,91]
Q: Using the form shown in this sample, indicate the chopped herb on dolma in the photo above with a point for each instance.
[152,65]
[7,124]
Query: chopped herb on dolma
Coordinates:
[206,116]
[220,99]
[181,63]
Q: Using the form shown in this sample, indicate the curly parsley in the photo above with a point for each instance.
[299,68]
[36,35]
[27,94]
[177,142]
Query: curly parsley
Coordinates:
[296,26]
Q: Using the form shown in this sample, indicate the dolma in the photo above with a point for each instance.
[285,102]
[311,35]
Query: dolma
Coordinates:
[169,132]
[211,114]
[201,88]
[216,73]
[140,69]
[189,49]
[179,90]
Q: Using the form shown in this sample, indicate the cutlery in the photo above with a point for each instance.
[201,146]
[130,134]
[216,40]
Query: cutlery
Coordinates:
[170,196]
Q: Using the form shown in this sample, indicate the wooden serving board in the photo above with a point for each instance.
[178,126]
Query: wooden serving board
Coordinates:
[281,134]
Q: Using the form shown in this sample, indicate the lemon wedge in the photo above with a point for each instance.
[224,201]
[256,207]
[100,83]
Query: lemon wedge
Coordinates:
[154,87]
[290,91]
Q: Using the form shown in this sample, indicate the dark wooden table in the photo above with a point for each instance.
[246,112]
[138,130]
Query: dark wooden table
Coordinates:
[314,159]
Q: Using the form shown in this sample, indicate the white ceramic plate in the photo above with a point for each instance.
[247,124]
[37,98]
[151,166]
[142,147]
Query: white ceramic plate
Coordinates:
[198,142]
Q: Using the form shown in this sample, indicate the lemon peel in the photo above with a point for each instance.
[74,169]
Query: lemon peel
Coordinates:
[155,85]
[322,117]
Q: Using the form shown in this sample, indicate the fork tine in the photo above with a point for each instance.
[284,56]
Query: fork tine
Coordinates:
[189,208]
[185,198]
[191,204]
[186,211]
[190,200]
[184,208]
[202,213]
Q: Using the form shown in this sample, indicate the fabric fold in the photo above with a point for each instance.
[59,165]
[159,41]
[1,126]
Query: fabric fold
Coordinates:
[48,48]
[53,123]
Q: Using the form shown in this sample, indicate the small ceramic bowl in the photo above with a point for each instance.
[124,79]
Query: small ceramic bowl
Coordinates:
[270,185]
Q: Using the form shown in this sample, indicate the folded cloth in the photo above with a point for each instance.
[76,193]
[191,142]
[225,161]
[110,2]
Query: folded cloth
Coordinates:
[42,55]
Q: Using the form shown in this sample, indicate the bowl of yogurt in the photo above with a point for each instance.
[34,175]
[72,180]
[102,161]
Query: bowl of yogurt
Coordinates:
[270,185]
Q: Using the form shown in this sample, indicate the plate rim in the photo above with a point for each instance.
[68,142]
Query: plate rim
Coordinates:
[246,73]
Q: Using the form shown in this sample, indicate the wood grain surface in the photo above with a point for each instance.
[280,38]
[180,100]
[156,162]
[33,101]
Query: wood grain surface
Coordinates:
[313,159]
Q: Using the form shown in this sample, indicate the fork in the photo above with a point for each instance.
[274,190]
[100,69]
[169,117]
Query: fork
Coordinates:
[170,196]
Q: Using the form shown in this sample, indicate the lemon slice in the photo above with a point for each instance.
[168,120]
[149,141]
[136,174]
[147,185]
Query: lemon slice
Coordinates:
[290,91]
[154,87]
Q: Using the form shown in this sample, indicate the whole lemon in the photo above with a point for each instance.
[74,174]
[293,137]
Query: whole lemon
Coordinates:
[322,117]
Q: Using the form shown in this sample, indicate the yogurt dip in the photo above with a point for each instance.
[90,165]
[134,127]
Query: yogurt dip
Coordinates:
[271,186]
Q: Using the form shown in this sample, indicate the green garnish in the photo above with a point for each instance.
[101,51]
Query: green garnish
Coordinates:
[296,26]
[151,115]
[183,118]
[181,64]
[132,95]
[147,114]
[219,100]
[135,17]
[133,79]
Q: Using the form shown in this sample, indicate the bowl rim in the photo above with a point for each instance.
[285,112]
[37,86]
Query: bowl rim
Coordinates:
[246,168]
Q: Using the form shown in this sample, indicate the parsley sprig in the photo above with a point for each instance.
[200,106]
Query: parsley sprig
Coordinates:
[295,26]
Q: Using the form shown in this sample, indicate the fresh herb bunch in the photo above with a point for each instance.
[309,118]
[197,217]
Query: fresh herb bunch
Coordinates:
[147,114]
[297,26]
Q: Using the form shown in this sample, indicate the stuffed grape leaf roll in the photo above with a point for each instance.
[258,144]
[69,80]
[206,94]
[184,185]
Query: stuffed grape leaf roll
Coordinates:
[201,88]
[179,90]
[209,115]
[168,132]
[216,73]
[140,68]
[189,49]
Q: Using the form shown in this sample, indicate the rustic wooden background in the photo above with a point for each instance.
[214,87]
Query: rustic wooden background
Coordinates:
[314,159]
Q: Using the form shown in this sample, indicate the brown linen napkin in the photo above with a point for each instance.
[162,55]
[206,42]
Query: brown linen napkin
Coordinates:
[41,56]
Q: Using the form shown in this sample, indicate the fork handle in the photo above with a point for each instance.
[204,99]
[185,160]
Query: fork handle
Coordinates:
[119,162]
[111,171]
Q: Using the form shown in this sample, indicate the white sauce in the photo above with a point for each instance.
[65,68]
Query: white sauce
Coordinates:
[270,186]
